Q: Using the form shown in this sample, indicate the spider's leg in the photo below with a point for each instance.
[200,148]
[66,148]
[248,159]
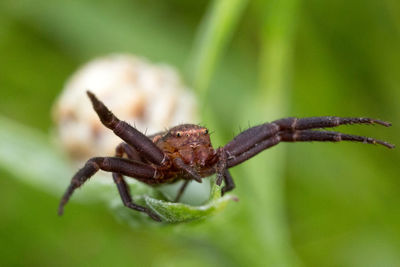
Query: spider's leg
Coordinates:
[128,133]
[181,190]
[323,122]
[252,136]
[178,162]
[126,198]
[123,187]
[221,165]
[248,138]
[229,183]
[124,148]
[327,136]
[140,171]
[302,136]
[235,160]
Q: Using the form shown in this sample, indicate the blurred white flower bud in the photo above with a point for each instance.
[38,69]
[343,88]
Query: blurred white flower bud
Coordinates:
[150,97]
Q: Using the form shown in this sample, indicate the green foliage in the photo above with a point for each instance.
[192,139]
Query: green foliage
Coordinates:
[327,205]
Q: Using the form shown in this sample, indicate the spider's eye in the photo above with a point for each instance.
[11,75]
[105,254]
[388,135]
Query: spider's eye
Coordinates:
[178,134]
[206,131]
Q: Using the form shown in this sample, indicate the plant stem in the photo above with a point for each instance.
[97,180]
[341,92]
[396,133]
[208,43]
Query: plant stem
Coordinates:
[267,169]
[213,36]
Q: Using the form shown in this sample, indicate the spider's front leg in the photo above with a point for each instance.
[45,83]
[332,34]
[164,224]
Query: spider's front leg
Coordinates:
[302,136]
[328,136]
[255,135]
[128,133]
[138,170]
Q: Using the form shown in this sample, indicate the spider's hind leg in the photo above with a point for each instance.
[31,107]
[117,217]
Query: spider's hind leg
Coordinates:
[181,190]
[123,187]
[126,197]
[229,183]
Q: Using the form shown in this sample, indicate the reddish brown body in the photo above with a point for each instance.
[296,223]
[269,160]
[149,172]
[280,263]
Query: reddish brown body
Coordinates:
[192,144]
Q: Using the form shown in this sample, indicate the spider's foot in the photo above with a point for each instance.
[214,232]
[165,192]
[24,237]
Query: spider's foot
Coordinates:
[60,210]
[384,123]
[219,179]
[153,215]
[223,191]
[145,210]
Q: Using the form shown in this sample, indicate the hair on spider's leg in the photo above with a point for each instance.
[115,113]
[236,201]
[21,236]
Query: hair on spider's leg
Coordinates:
[127,167]
[328,136]
[229,183]
[126,198]
[127,133]
[181,190]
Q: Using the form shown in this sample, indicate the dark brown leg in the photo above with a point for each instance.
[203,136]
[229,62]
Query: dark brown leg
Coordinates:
[249,138]
[229,183]
[126,198]
[181,190]
[178,162]
[323,122]
[123,187]
[327,136]
[128,133]
[140,171]
[221,165]
[235,160]
[132,154]
[302,136]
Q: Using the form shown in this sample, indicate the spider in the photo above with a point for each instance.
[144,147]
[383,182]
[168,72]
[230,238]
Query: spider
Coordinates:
[185,151]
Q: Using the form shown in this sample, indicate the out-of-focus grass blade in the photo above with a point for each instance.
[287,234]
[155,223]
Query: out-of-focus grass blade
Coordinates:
[28,155]
[267,169]
[213,36]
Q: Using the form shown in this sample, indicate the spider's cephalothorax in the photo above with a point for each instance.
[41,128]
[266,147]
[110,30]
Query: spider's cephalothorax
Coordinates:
[189,142]
[185,151]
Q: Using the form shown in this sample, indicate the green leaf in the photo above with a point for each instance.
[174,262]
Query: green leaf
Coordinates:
[180,212]
[171,212]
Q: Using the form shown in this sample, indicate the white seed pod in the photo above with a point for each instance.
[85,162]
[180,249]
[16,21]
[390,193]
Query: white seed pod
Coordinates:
[150,97]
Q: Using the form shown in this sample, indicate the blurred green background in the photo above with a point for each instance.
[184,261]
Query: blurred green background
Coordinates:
[300,204]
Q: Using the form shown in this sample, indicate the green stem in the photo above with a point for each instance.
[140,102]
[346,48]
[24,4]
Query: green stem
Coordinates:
[267,169]
[213,36]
